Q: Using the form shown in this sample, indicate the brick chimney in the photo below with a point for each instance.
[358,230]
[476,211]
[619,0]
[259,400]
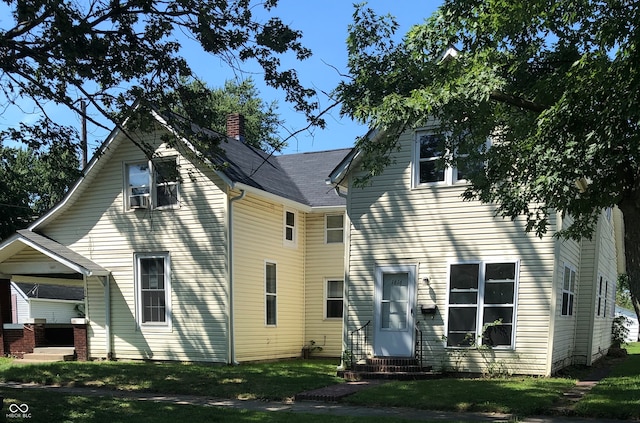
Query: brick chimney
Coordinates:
[235,126]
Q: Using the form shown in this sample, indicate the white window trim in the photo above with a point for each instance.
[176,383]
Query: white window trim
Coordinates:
[327,229]
[480,305]
[267,294]
[167,325]
[571,294]
[152,183]
[606,299]
[600,299]
[450,172]
[326,297]
[296,224]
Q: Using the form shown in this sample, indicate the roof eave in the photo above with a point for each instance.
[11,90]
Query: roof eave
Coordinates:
[265,194]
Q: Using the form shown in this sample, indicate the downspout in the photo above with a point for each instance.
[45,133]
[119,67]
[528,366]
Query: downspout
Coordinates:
[107,312]
[232,349]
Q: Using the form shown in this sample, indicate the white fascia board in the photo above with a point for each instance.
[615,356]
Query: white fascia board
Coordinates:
[22,294]
[274,197]
[86,171]
[328,209]
[54,300]
[352,159]
[71,265]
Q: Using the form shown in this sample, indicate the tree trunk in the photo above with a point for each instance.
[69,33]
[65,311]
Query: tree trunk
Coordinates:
[631,216]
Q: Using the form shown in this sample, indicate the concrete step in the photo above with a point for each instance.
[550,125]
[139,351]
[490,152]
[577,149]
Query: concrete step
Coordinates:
[54,350]
[352,375]
[49,355]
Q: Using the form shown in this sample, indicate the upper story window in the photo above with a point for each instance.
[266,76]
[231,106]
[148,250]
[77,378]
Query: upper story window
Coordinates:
[290,228]
[152,184]
[429,169]
[430,150]
[334,228]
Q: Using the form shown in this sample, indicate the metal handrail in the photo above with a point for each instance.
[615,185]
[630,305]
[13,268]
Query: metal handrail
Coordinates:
[358,340]
[419,345]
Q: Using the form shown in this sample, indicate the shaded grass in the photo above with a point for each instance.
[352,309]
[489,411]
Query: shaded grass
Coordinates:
[520,396]
[47,407]
[618,395]
[268,381]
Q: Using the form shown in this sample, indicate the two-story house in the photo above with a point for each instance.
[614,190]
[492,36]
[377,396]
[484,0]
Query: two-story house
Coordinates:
[432,276]
[257,256]
[189,255]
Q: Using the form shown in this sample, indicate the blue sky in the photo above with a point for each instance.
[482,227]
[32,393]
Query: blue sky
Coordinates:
[324,26]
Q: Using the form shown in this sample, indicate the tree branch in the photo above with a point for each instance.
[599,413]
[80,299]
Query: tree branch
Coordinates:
[517,101]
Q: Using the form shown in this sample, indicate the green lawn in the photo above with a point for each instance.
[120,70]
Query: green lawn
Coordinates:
[47,407]
[268,381]
[520,396]
[617,396]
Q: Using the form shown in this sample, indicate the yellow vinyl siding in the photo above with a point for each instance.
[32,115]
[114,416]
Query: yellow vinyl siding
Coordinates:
[193,233]
[565,328]
[95,313]
[395,224]
[258,239]
[607,268]
[323,262]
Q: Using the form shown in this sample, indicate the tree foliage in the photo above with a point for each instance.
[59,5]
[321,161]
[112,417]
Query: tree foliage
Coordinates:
[211,106]
[554,84]
[115,53]
[31,182]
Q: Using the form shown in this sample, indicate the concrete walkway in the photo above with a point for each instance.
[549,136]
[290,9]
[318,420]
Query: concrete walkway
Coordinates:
[313,407]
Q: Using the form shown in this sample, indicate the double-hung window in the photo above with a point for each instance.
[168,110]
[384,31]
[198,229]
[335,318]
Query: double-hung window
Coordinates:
[290,228]
[153,289]
[602,297]
[152,184]
[333,298]
[568,290]
[334,225]
[271,294]
[429,168]
[430,150]
[481,308]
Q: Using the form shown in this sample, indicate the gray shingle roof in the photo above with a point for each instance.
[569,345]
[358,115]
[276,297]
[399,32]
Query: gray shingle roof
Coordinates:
[52,292]
[298,177]
[309,171]
[62,253]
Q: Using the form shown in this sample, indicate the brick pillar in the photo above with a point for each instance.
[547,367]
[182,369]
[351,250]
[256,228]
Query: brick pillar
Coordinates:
[29,337]
[235,126]
[39,338]
[80,339]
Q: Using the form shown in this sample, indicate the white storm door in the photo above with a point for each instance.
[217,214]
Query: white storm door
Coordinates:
[394,303]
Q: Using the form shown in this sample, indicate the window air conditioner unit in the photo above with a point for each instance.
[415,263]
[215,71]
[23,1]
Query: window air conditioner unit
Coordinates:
[139,201]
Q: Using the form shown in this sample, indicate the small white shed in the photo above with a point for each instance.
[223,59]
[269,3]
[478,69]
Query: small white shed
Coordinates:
[55,303]
[632,323]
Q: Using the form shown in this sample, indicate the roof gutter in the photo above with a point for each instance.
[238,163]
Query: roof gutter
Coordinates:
[230,275]
[264,194]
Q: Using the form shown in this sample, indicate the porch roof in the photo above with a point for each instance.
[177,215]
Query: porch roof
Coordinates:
[70,261]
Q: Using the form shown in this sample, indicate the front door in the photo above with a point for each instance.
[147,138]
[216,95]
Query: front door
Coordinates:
[394,303]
